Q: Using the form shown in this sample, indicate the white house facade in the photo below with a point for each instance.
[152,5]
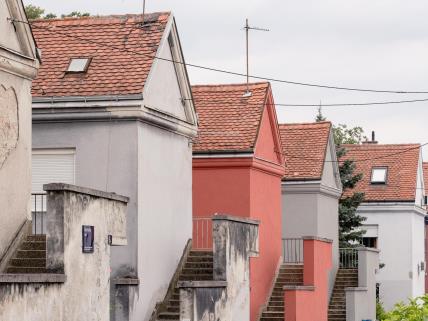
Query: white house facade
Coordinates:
[395,211]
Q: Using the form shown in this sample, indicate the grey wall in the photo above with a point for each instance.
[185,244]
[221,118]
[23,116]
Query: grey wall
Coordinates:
[307,211]
[106,159]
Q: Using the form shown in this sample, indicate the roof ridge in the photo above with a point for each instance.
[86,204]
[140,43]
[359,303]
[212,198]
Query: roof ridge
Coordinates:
[101,18]
[374,146]
[306,124]
[231,84]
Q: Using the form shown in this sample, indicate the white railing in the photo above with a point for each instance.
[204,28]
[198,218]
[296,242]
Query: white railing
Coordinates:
[348,258]
[38,211]
[292,250]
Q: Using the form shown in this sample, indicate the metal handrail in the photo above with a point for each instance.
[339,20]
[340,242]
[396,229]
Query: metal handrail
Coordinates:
[292,250]
[348,258]
[38,201]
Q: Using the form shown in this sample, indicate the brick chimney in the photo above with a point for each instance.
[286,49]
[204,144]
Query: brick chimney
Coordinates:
[373,141]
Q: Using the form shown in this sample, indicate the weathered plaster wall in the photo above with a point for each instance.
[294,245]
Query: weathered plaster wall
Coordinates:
[400,252]
[228,296]
[85,295]
[16,73]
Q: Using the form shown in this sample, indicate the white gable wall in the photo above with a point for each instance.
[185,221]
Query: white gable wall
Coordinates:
[167,86]
[401,245]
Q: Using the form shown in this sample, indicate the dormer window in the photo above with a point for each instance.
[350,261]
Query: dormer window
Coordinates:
[379,175]
[78,65]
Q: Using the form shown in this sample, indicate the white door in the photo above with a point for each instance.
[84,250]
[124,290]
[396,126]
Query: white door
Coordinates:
[48,166]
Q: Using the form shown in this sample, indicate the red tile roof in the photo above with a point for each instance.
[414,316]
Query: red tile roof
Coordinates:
[112,71]
[402,162]
[227,120]
[304,147]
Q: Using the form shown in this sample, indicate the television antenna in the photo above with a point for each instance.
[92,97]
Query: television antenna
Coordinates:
[247,29]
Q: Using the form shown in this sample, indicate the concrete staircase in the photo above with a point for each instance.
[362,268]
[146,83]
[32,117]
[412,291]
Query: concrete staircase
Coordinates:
[198,267]
[30,256]
[289,274]
[337,307]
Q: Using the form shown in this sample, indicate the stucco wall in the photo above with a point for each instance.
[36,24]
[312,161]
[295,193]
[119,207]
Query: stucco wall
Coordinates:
[401,245]
[16,73]
[309,212]
[265,200]
[105,159]
[164,211]
[85,294]
[153,167]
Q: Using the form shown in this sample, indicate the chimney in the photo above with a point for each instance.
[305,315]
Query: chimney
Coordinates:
[373,141]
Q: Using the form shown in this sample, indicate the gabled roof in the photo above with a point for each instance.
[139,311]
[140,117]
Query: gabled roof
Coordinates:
[402,163]
[228,122]
[121,49]
[304,147]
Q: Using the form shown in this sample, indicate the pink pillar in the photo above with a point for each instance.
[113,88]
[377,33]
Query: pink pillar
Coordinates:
[310,301]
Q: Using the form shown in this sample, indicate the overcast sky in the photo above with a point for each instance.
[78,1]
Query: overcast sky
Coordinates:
[378,44]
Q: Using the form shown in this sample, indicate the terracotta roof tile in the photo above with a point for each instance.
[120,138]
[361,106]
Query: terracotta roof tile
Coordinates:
[111,71]
[402,163]
[304,147]
[227,120]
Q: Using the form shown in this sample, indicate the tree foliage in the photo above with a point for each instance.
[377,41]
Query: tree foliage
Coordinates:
[349,220]
[76,14]
[414,310]
[34,12]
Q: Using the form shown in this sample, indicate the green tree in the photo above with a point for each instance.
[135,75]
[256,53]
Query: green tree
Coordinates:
[75,14]
[415,310]
[320,116]
[34,12]
[349,220]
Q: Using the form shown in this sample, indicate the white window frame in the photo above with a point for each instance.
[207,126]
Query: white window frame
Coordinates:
[385,178]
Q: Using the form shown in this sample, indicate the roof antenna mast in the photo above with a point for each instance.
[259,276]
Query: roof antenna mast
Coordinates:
[144,9]
[247,29]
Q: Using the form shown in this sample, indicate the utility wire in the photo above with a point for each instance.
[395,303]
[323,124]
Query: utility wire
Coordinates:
[229,72]
[359,160]
[373,103]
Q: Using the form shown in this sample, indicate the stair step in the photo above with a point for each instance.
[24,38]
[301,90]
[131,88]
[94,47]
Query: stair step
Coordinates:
[34,245]
[25,270]
[28,262]
[31,254]
[36,238]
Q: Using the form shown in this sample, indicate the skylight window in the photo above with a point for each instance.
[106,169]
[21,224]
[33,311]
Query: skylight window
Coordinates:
[78,65]
[379,175]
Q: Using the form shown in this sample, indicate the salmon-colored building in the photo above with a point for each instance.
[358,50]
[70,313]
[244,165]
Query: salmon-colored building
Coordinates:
[237,169]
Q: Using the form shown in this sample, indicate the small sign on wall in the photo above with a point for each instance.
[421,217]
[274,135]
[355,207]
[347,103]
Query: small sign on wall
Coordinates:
[87,239]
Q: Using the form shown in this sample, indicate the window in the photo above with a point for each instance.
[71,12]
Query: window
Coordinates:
[78,65]
[369,242]
[379,175]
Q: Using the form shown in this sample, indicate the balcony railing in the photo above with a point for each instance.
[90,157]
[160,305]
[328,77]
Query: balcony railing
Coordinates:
[202,234]
[38,211]
[292,250]
[348,258]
